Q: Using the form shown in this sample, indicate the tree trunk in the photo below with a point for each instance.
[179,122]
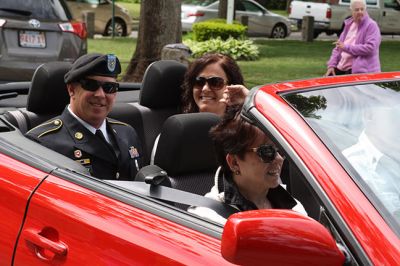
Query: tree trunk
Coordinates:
[288,5]
[159,25]
[222,8]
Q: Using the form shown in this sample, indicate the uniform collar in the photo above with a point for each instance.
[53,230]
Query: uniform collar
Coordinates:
[89,127]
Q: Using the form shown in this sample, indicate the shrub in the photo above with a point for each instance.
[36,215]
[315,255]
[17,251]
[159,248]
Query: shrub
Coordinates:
[238,49]
[211,29]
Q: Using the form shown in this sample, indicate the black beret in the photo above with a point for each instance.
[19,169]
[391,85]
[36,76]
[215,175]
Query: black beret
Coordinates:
[93,64]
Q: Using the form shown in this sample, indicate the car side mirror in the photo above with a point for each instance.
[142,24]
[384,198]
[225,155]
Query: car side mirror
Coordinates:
[278,237]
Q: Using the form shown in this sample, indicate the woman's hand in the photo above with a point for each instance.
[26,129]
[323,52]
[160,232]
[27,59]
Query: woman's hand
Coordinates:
[339,44]
[330,72]
[234,94]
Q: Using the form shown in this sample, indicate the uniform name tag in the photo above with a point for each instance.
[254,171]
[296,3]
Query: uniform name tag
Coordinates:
[83,161]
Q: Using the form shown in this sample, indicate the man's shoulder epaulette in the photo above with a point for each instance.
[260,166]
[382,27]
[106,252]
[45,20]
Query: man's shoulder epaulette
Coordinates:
[48,127]
[116,122]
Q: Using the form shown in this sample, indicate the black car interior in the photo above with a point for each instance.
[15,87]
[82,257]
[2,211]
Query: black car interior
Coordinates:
[47,97]
[159,98]
[184,149]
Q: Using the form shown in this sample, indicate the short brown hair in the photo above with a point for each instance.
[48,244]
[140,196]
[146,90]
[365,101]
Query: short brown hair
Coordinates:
[233,135]
[229,66]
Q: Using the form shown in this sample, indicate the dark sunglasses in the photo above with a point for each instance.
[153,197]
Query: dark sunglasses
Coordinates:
[93,85]
[214,83]
[267,153]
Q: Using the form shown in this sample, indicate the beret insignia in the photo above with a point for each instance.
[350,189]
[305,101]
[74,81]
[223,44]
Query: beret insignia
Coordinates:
[111,62]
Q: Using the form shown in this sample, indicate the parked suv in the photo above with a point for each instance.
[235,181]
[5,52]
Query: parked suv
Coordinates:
[33,32]
[103,16]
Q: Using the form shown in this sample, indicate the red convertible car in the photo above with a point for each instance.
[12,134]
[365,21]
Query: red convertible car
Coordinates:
[337,134]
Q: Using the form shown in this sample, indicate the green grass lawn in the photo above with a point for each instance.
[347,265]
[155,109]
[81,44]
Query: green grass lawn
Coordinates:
[280,60]
[280,12]
[122,47]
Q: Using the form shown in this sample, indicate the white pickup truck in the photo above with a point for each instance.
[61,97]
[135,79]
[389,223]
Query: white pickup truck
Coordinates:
[329,17]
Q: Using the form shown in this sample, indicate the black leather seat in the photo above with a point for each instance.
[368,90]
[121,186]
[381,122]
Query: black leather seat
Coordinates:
[186,152]
[160,97]
[47,97]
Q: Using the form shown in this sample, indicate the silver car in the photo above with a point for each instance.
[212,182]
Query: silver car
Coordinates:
[261,22]
[33,32]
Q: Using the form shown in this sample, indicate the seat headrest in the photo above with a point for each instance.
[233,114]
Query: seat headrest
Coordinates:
[161,86]
[48,93]
[185,146]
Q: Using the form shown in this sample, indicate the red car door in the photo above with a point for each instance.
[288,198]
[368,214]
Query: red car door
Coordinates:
[17,182]
[68,223]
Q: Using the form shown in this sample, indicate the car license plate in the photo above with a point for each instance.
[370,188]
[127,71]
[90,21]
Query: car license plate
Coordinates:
[32,39]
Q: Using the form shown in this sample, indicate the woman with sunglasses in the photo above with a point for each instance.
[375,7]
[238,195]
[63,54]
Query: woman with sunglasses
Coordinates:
[207,87]
[250,169]
[212,82]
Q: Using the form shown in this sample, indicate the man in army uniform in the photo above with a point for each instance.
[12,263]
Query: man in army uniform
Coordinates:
[109,149]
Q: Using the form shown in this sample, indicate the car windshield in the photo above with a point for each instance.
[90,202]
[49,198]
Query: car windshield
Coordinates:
[39,9]
[360,125]
[198,2]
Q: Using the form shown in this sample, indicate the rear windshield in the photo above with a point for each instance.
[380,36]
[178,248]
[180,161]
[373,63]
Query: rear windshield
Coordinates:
[38,9]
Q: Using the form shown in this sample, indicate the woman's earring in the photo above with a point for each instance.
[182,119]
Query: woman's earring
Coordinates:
[236,171]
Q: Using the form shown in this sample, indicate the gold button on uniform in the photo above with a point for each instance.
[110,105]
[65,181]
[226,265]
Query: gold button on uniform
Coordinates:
[57,122]
[78,135]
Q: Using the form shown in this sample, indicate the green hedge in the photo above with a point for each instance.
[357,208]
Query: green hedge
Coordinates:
[211,29]
[238,49]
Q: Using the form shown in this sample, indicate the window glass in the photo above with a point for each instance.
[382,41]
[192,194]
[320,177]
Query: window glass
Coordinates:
[372,2]
[239,6]
[391,4]
[198,2]
[38,9]
[248,6]
[360,125]
[369,2]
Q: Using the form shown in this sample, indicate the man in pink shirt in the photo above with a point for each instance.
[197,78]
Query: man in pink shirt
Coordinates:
[357,50]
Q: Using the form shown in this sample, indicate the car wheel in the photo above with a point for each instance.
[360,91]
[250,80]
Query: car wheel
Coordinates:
[278,32]
[119,26]
[316,34]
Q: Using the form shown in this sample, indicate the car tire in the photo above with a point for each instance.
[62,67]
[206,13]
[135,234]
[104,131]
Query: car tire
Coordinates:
[279,31]
[120,28]
[316,34]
